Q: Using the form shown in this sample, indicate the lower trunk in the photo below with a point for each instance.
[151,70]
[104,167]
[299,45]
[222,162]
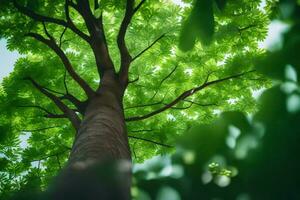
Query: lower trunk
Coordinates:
[99,166]
[102,134]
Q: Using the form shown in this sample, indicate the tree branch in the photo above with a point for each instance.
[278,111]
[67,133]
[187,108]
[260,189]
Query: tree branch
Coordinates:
[49,156]
[135,80]
[38,107]
[144,105]
[51,44]
[53,91]
[61,36]
[41,18]
[56,116]
[125,55]
[142,130]
[80,105]
[70,23]
[47,33]
[39,129]
[181,108]
[72,116]
[191,104]
[186,94]
[97,37]
[146,49]
[247,27]
[126,58]
[65,82]
[139,5]
[241,30]
[151,141]
[162,81]
[58,162]
[96,4]
[199,104]
[29,13]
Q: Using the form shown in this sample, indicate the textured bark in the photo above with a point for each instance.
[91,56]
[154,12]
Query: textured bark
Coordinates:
[99,165]
[102,134]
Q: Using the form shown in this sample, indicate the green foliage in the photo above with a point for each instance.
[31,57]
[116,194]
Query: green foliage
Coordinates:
[33,148]
[241,156]
[200,24]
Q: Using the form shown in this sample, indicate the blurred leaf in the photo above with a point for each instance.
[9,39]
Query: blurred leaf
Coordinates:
[3,163]
[4,131]
[221,4]
[200,24]
[238,119]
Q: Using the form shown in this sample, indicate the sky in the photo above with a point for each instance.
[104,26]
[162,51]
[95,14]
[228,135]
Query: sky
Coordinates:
[274,38]
[7,60]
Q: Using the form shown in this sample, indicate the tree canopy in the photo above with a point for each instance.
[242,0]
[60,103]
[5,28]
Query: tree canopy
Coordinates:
[189,63]
[241,156]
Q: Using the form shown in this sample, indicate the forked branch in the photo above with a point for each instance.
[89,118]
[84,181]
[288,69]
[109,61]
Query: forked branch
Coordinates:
[186,94]
[41,18]
[80,105]
[126,58]
[72,116]
[67,64]
[97,38]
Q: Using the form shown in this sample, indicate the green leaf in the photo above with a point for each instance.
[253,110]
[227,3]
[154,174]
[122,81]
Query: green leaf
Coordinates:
[3,163]
[221,4]
[200,24]
[238,119]
[97,12]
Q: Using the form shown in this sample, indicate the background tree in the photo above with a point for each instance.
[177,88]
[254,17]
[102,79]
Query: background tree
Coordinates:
[240,156]
[100,64]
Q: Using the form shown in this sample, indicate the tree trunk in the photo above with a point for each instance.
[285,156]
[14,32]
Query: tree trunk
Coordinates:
[99,165]
[102,134]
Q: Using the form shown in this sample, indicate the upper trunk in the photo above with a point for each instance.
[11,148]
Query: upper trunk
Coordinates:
[102,134]
[102,138]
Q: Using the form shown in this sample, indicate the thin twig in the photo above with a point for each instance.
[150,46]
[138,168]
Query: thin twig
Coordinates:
[143,130]
[61,36]
[162,81]
[39,129]
[144,105]
[151,141]
[65,82]
[146,49]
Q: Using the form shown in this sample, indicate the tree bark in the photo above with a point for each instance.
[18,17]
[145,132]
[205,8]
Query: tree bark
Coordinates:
[102,134]
[99,165]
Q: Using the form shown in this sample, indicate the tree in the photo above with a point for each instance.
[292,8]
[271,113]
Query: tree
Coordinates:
[112,69]
[238,156]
